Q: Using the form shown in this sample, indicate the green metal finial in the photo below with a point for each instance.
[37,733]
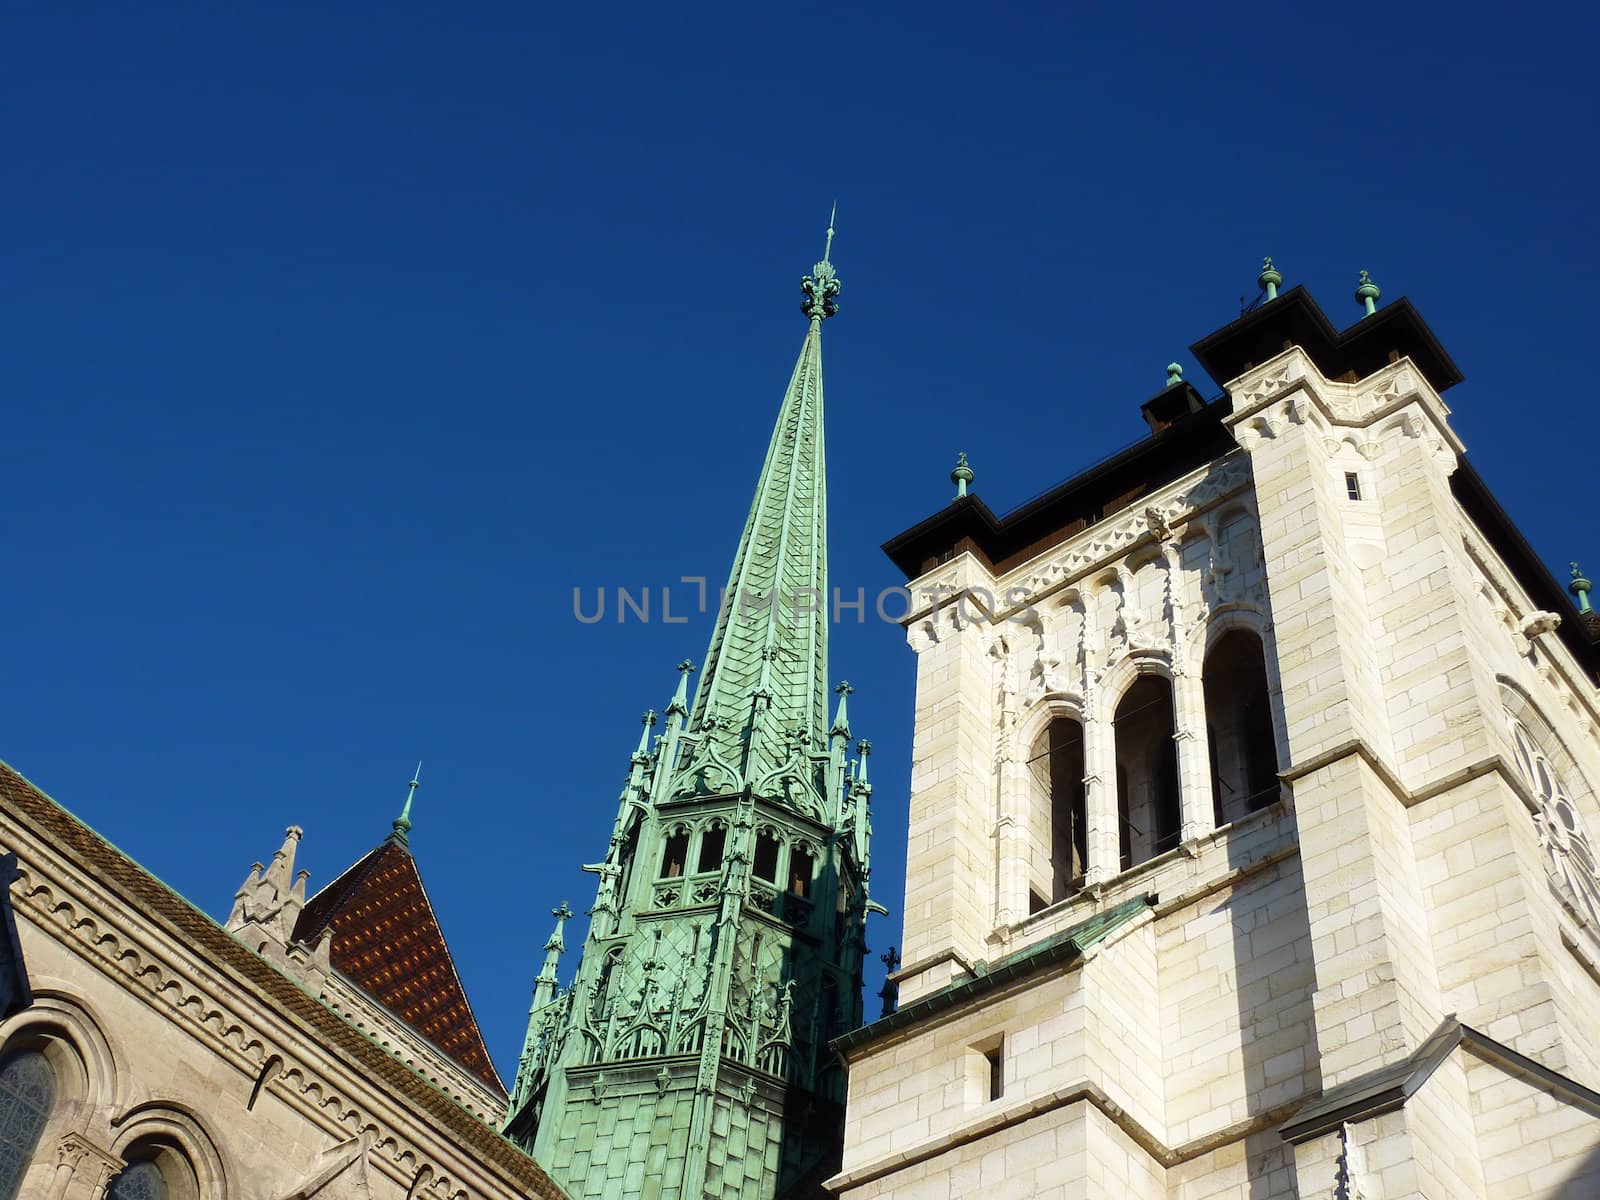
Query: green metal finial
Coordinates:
[962,475]
[1174,374]
[822,285]
[1367,294]
[1579,587]
[1269,279]
[402,823]
[864,749]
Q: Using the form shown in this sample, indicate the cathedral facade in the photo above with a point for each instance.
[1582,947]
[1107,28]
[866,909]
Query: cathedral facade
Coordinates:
[1253,789]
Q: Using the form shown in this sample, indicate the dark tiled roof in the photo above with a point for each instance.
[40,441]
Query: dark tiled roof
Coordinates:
[387,941]
[235,965]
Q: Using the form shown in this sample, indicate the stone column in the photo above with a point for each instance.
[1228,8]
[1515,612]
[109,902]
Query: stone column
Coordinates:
[1194,754]
[1100,796]
[1014,837]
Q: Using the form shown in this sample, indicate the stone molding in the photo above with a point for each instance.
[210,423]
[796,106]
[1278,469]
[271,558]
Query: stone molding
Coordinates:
[1290,390]
[1161,519]
[1088,1093]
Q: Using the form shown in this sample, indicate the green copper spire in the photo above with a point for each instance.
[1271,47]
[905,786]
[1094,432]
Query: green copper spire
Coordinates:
[728,931]
[766,667]
[402,823]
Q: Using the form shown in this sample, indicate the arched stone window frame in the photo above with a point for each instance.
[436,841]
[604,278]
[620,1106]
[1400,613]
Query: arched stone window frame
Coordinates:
[1564,803]
[70,1036]
[174,1138]
[1118,682]
[1248,618]
[1015,833]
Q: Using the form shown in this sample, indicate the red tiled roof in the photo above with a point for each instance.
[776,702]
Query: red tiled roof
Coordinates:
[387,941]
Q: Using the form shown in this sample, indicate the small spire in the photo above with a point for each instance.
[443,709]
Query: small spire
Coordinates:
[864,749]
[1269,279]
[827,247]
[962,475]
[680,698]
[1367,294]
[402,823]
[544,987]
[1579,587]
[841,719]
[1174,374]
[643,752]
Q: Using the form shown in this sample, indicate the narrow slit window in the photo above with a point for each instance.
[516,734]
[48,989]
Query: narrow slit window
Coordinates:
[996,1060]
[1352,485]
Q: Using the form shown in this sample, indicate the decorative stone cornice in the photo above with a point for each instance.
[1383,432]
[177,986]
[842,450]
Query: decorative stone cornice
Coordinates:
[1289,390]
[963,584]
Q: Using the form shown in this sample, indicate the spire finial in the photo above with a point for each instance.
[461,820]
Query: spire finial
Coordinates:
[1174,374]
[841,718]
[962,475]
[822,285]
[402,823]
[1367,294]
[680,698]
[1269,279]
[1579,587]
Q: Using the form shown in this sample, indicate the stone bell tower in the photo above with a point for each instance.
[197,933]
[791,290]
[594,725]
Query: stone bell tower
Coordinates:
[689,1057]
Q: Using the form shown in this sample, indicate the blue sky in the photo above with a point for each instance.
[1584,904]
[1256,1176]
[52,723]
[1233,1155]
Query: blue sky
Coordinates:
[341,344]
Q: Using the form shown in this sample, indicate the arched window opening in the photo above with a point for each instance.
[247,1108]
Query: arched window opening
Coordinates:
[1058,817]
[712,844]
[1147,771]
[676,854]
[139,1181]
[766,860]
[27,1094]
[1244,750]
[801,867]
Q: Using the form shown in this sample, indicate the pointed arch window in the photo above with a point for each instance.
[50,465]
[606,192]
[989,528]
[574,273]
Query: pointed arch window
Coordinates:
[802,866]
[712,844]
[675,855]
[766,859]
[1561,829]
[27,1094]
